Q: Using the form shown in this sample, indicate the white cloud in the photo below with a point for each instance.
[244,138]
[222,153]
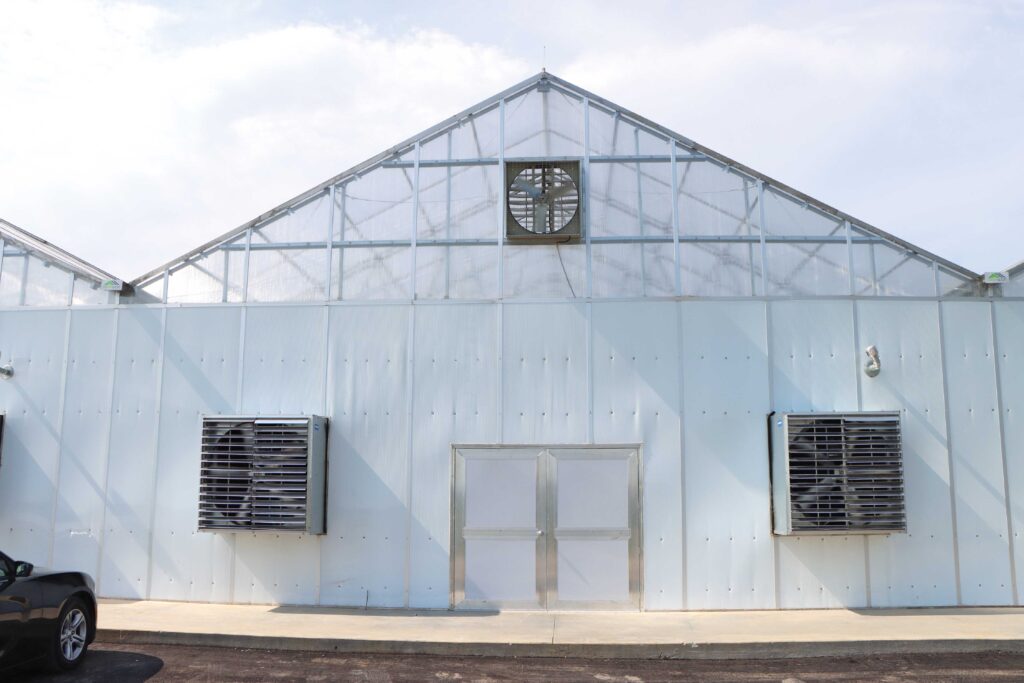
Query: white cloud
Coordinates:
[129,153]
[129,135]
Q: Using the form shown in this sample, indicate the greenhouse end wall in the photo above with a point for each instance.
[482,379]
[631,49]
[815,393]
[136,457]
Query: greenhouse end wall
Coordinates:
[100,462]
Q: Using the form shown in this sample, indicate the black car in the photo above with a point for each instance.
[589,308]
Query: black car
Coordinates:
[44,614]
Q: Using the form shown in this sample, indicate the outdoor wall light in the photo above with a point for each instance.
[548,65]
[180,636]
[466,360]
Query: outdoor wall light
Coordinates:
[874,364]
[6,371]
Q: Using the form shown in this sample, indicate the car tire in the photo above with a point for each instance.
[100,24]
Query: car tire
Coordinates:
[69,641]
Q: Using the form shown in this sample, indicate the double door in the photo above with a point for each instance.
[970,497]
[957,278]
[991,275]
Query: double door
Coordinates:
[546,528]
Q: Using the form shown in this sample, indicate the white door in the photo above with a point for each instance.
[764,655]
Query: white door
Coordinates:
[546,528]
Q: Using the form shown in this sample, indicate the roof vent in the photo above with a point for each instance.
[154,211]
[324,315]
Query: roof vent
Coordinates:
[837,473]
[263,474]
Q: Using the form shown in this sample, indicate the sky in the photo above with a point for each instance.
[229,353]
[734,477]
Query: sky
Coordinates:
[132,132]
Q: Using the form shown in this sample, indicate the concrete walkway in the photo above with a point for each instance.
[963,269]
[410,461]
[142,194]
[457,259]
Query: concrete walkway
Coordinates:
[791,633]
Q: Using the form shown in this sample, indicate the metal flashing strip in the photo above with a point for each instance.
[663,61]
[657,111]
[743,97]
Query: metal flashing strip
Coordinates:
[12,234]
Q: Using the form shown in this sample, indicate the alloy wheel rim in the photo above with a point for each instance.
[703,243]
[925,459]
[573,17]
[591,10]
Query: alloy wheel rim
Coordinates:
[72,634]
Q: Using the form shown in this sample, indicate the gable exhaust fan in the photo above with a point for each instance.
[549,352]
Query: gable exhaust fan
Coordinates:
[542,200]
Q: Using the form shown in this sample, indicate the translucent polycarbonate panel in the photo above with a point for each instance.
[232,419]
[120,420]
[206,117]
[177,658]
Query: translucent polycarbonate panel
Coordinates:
[716,201]
[543,122]
[901,273]
[235,270]
[617,270]
[807,269]
[46,284]
[720,268]
[459,202]
[374,272]
[784,215]
[954,284]
[545,271]
[475,137]
[308,222]
[89,293]
[1015,287]
[201,280]
[287,274]
[457,272]
[378,206]
[659,269]
[611,135]
[630,198]
[633,269]
[150,292]
[863,269]
[12,279]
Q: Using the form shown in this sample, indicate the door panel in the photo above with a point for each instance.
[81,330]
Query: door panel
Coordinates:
[546,528]
[500,521]
[594,549]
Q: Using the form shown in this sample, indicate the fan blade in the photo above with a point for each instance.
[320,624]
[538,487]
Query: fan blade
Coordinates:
[526,187]
[557,191]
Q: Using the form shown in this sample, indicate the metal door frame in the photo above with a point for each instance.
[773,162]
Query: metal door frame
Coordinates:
[546,520]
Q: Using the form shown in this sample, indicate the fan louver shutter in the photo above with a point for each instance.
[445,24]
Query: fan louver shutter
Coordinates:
[844,473]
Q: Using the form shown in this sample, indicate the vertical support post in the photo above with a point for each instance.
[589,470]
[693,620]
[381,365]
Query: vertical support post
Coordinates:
[639,210]
[24,279]
[167,284]
[71,287]
[3,247]
[156,454]
[448,222]
[327,246]
[874,270]
[245,276]
[415,217]
[935,278]
[949,453]
[675,216]
[747,210]
[764,243]
[341,237]
[586,196]
[225,277]
[849,259]
[500,229]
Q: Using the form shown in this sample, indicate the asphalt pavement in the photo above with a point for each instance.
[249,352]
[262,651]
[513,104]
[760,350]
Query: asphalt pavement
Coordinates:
[167,663]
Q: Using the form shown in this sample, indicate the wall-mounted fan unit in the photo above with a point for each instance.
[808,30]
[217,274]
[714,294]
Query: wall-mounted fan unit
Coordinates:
[837,473]
[260,473]
[542,200]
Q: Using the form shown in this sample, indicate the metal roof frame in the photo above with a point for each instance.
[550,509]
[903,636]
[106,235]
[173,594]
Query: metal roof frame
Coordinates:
[12,234]
[545,78]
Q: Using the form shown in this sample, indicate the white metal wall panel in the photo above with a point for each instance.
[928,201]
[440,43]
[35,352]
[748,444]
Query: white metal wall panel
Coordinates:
[365,550]
[456,376]
[915,568]
[1009,324]
[815,368]
[982,537]
[124,567]
[282,373]
[33,342]
[200,376]
[83,456]
[636,400]
[729,550]
[544,366]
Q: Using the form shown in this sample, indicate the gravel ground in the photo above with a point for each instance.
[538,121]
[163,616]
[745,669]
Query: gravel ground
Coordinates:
[165,663]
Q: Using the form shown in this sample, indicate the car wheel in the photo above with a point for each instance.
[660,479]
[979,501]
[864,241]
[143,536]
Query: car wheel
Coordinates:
[69,640]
